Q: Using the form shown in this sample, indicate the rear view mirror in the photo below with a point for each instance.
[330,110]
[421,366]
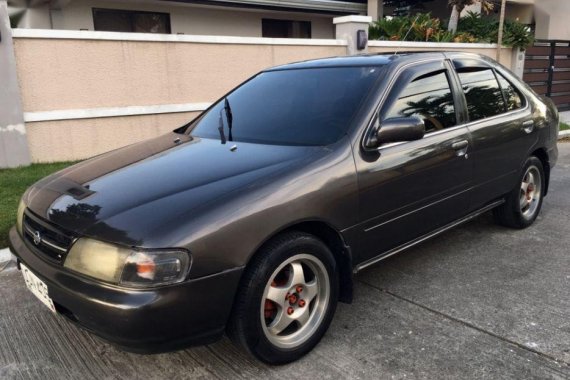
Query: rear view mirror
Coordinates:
[398,129]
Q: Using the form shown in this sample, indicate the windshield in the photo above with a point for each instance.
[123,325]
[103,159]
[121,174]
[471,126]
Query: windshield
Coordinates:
[290,107]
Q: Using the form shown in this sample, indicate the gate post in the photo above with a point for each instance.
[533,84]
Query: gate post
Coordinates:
[14,149]
[517,62]
[354,30]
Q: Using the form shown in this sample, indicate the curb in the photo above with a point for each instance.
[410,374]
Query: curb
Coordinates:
[5,255]
[563,134]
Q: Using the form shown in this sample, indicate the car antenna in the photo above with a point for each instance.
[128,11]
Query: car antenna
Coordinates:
[406,36]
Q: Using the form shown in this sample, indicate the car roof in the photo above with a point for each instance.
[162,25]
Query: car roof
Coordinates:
[379,59]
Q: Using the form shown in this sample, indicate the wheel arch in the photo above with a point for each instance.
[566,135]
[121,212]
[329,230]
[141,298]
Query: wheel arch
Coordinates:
[333,239]
[542,155]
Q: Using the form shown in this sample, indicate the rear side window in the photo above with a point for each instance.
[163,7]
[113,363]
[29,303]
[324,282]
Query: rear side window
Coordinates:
[512,95]
[428,97]
[482,92]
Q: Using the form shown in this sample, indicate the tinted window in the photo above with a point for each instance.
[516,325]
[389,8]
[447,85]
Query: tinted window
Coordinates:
[512,95]
[292,107]
[482,92]
[115,20]
[285,28]
[430,98]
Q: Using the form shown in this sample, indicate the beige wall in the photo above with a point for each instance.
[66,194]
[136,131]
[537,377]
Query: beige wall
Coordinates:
[68,140]
[191,19]
[57,74]
[68,74]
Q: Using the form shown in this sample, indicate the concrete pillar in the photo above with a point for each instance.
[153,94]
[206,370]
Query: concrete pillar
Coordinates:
[13,140]
[376,9]
[36,18]
[517,62]
[347,28]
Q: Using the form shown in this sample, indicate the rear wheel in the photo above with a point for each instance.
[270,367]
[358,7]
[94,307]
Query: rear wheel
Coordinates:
[286,299]
[523,204]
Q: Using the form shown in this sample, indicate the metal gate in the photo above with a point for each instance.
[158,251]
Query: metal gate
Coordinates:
[547,70]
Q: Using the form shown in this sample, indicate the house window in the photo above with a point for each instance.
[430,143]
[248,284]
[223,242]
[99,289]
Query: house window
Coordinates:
[116,20]
[285,28]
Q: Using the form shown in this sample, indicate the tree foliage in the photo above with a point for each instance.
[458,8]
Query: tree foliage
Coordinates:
[472,28]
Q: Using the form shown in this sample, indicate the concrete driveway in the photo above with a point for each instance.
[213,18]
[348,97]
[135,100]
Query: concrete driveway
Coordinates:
[479,302]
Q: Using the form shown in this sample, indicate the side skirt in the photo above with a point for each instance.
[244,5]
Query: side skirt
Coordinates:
[423,238]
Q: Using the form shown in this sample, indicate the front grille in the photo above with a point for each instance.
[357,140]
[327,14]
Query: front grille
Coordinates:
[46,239]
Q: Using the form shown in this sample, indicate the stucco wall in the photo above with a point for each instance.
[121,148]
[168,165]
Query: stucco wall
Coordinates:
[191,18]
[59,74]
[64,74]
[67,140]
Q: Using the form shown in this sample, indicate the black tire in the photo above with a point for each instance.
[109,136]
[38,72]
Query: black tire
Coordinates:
[245,326]
[510,214]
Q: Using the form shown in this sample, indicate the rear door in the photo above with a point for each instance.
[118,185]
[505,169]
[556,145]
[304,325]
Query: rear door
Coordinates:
[501,126]
[409,189]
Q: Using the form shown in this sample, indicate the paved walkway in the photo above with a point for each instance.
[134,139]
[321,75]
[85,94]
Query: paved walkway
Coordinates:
[480,302]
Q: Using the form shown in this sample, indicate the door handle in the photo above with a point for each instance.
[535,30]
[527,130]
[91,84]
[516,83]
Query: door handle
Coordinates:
[528,126]
[460,147]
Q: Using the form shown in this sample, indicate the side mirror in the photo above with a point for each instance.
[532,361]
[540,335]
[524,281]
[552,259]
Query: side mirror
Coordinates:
[398,129]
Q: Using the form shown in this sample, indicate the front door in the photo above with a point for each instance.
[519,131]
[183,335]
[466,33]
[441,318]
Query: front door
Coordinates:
[409,189]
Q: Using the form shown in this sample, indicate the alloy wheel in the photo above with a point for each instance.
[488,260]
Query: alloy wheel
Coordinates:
[295,301]
[530,192]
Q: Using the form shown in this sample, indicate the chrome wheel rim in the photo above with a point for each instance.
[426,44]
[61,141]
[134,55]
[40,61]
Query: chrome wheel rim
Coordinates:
[530,192]
[295,301]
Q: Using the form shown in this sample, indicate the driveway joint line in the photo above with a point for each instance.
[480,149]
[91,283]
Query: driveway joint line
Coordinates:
[466,324]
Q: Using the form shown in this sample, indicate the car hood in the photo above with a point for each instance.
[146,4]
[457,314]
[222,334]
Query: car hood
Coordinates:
[125,195]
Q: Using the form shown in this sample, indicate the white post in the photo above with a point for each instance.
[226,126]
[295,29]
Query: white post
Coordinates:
[517,62]
[13,140]
[348,28]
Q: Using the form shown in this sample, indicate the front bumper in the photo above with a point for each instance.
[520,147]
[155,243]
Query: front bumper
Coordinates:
[146,321]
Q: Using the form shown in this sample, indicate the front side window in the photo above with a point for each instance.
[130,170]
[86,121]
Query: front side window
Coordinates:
[482,92]
[512,95]
[290,107]
[428,97]
[117,20]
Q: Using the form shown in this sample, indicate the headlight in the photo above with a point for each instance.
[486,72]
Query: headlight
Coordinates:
[20,217]
[126,266]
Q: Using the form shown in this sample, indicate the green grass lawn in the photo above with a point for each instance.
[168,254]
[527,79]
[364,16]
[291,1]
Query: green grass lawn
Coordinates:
[13,183]
[564,127]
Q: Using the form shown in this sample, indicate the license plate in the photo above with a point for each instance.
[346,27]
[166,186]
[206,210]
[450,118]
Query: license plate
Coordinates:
[37,286]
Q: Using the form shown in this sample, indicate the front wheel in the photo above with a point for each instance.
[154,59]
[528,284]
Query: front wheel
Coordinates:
[523,204]
[286,299]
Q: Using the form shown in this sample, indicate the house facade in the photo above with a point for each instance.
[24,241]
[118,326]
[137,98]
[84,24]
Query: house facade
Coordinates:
[260,18]
[244,18]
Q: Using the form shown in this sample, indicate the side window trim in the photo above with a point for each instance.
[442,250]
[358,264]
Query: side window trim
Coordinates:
[461,113]
[506,107]
[520,93]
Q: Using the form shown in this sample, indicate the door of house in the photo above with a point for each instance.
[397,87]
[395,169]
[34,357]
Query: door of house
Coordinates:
[547,70]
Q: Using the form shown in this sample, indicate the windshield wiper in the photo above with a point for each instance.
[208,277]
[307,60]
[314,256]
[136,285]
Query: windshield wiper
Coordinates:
[229,118]
[221,128]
